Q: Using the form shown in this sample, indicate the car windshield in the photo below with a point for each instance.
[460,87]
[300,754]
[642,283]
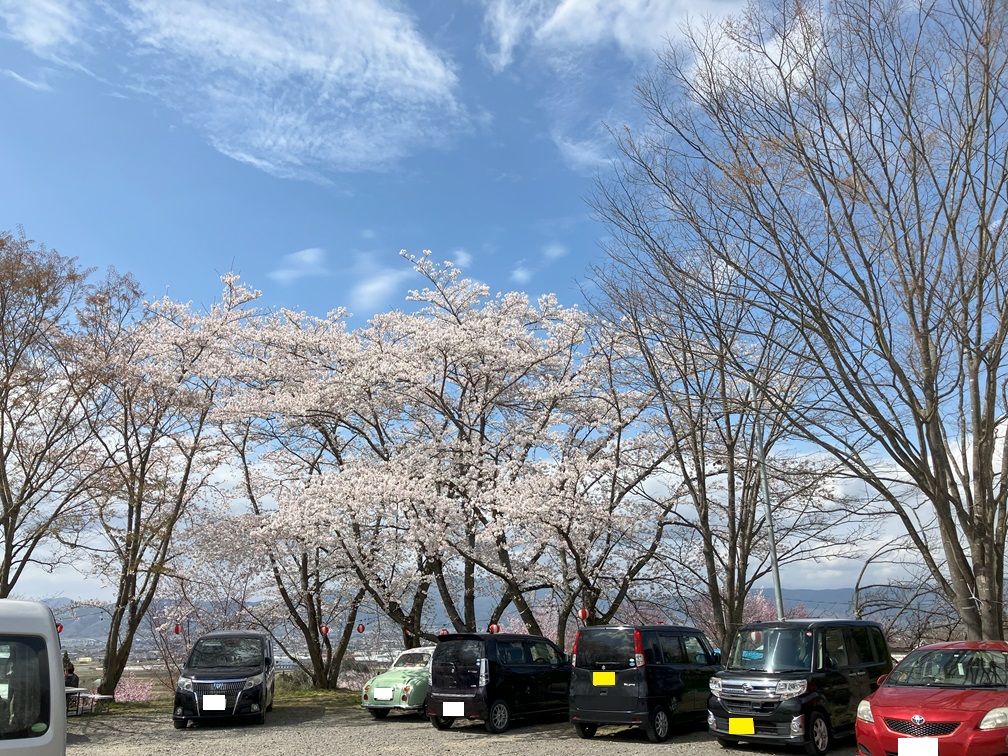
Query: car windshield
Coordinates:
[412,659]
[952,668]
[226,652]
[772,649]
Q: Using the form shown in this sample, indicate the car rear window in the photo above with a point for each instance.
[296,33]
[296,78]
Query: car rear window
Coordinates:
[464,653]
[609,646]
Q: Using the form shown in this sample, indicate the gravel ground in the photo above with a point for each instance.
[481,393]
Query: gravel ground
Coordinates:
[322,731]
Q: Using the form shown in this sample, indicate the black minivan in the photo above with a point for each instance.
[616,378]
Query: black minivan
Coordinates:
[646,676]
[796,681]
[495,677]
[229,673]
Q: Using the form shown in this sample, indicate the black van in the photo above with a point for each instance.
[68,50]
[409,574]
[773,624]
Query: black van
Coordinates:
[495,677]
[647,676]
[796,681]
[228,674]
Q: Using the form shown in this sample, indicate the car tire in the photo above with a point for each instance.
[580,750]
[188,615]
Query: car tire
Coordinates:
[498,717]
[585,730]
[819,736]
[441,723]
[658,724]
[726,742]
[378,713]
[179,724]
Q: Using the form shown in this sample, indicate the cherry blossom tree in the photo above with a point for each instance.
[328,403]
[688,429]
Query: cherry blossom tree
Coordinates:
[149,413]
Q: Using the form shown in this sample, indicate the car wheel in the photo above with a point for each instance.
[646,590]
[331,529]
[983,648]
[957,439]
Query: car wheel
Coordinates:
[441,723]
[498,716]
[180,724]
[726,742]
[585,730]
[378,713]
[819,736]
[658,724]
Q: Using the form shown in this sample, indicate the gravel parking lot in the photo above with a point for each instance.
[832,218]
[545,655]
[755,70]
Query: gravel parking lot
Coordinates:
[322,731]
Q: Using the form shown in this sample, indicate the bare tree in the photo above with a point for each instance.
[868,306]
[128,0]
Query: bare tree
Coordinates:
[44,441]
[843,166]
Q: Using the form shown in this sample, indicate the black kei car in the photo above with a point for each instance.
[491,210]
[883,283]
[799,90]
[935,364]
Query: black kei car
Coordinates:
[644,676]
[228,674]
[796,682]
[496,678]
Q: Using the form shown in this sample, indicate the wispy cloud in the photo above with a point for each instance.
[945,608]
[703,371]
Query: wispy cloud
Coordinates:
[378,288]
[46,27]
[520,274]
[297,265]
[508,22]
[554,251]
[39,86]
[462,258]
[299,88]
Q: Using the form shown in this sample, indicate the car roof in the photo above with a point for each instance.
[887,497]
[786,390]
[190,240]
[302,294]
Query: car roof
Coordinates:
[810,622]
[684,628]
[488,636]
[967,645]
[234,634]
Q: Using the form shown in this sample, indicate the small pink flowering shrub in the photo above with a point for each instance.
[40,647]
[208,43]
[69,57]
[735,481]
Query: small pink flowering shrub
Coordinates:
[132,688]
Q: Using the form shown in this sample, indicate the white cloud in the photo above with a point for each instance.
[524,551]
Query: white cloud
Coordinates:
[508,22]
[521,275]
[39,86]
[462,258]
[306,263]
[554,251]
[377,289]
[299,88]
[46,27]
[582,155]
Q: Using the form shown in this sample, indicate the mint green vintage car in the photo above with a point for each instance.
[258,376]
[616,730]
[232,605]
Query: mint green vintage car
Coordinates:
[403,687]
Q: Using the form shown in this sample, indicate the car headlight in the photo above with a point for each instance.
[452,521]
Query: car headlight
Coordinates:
[790,688]
[995,719]
[185,684]
[864,712]
[251,682]
[715,686]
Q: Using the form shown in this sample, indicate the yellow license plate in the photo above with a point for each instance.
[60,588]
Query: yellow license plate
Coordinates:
[603,678]
[741,727]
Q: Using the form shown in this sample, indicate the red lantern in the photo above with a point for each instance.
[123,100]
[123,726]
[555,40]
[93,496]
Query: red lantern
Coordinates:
[582,614]
[324,629]
[360,628]
[494,628]
[59,627]
[178,628]
[444,631]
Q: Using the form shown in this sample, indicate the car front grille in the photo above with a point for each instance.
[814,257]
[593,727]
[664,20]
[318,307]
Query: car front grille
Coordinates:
[230,689]
[925,730]
[737,706]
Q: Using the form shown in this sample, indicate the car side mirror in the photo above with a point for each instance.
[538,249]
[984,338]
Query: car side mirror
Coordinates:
[716,657]
[829,663]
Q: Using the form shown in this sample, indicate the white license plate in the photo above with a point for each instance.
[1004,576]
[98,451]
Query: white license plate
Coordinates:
[213,702]
[383,694]
[453,709]
[917,747]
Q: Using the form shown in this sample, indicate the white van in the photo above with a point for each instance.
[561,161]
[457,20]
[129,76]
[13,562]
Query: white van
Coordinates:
[32,698]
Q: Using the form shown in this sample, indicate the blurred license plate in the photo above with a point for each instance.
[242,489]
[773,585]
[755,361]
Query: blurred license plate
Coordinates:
[741,726]
[213,702]
[383,694]
[603,678]
[453,709]
[917,747]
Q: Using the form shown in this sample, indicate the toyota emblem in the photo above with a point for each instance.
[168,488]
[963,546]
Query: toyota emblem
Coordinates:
[917,719]
[218,686]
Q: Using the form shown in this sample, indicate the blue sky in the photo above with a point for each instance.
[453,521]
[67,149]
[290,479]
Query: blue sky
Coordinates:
[304,143]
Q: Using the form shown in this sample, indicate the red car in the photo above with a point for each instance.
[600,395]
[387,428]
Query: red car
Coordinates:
[946,699]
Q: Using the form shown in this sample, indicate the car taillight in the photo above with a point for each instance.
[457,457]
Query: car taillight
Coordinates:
[577,637]
[638,648]
[484,674]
